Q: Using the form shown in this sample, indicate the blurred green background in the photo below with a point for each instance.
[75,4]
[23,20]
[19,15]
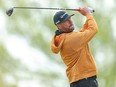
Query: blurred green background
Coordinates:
[25,56]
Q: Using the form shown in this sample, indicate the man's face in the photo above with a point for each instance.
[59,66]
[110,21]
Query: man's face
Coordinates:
[66,26]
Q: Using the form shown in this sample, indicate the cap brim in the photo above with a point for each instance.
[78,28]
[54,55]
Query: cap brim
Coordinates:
[68,17]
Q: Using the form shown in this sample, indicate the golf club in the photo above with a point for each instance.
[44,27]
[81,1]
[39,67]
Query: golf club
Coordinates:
[10,10]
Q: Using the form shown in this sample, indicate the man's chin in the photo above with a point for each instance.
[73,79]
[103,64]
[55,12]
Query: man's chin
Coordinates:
[71,28]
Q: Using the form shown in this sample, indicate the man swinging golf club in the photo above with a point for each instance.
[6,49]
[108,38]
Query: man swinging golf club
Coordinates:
[74,49]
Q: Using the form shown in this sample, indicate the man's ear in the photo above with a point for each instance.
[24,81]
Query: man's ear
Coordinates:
[59,26]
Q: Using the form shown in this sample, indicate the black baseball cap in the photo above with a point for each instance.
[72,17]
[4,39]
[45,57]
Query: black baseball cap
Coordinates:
[61,16]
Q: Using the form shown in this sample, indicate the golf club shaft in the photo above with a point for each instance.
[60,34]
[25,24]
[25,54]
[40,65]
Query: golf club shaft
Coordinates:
[44,8]
[10,11]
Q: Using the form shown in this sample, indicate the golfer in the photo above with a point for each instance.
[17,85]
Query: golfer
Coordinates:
[74,49]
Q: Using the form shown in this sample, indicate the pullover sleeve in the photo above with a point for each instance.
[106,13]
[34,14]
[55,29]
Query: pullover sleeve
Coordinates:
[89,29]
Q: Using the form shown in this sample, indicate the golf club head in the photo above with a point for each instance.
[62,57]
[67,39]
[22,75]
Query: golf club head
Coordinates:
[9,11]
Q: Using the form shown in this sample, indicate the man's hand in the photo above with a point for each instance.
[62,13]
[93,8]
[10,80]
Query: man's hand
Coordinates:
[84,11]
